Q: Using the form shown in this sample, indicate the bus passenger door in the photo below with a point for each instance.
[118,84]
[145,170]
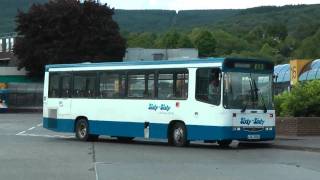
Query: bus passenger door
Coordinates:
[64,102]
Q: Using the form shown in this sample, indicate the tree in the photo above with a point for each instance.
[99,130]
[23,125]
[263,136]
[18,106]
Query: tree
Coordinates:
[185,42]
[287,46]
[277,31]
[256,33]
[267,50]
[228,43]
[143,40]
[170,40]
[205,43]
[193,35]
[66,31]
[309,47]
[306,28]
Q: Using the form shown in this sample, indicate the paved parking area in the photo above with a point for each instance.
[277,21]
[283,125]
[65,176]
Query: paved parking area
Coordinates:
[30,152]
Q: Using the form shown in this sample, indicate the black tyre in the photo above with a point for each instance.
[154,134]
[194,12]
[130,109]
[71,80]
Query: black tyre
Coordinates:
[82,130]
[125,139]
[224,143]
[178,135]
[93,137]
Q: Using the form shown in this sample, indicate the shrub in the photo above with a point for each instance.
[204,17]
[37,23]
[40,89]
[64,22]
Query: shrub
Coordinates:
[302,101]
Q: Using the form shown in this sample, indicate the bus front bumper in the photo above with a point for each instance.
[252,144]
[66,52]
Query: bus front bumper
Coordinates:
[230,133]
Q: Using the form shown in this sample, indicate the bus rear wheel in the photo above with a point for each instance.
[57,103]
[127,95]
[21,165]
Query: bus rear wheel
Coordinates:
[82,131]
[178,135]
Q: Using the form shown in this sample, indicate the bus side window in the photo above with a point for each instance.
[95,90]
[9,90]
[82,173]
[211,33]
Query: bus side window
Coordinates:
[150,92]
[173,84]
[165,85]
[66,86]
[136,85]
[208,85]
[84,85]
[109,86]
[54,85]
[122,83]
[181,85]
[79,86]
[91,86]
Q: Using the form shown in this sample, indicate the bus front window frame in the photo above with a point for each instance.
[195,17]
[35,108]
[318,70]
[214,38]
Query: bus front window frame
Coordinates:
[255,90]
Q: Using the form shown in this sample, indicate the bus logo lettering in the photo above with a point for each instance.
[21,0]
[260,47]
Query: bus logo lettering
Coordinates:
[255,121]
[153,107]
[162,107]
[258,121]
[245,121]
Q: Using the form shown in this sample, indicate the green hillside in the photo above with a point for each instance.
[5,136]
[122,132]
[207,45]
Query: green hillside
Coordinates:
[195,18]
[294,18]
[144,20]
[162,20]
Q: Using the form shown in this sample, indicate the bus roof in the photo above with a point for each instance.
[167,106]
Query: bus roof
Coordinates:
[221,61]
[137,63]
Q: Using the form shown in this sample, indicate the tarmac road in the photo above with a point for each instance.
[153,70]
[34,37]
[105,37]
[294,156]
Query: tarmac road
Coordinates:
[28,151]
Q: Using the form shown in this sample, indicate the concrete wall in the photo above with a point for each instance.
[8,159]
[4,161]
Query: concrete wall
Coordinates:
[298,126]
[12,71]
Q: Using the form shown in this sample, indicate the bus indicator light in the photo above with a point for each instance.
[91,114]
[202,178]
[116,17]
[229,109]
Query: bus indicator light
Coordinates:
[177,104]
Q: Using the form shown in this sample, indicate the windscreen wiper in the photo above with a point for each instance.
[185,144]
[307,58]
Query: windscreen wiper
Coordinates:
[256,90]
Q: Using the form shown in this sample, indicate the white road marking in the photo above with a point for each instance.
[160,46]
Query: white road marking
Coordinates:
[46,135]
[96,170]
[22,132]
[31,128]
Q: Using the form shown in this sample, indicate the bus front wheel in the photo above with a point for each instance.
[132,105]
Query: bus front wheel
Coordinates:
[178,135]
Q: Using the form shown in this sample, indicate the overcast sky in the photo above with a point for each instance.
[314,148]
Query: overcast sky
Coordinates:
[200,4]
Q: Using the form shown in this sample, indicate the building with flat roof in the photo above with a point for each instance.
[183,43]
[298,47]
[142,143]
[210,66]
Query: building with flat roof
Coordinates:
[141,54]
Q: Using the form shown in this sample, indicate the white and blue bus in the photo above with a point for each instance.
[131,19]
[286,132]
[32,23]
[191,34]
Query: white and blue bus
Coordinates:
[174,100]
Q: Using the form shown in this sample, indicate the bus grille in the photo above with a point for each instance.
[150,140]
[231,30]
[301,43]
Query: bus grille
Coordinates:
[253,129]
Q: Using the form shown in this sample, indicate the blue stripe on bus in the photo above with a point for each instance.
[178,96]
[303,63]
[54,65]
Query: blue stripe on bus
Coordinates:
[135,129]
[59,125]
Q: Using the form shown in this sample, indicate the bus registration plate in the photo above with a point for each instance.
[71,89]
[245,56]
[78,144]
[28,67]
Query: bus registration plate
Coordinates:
[254,136]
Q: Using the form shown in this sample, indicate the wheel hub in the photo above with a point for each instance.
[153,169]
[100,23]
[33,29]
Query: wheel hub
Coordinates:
[82,130]
[178,135]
